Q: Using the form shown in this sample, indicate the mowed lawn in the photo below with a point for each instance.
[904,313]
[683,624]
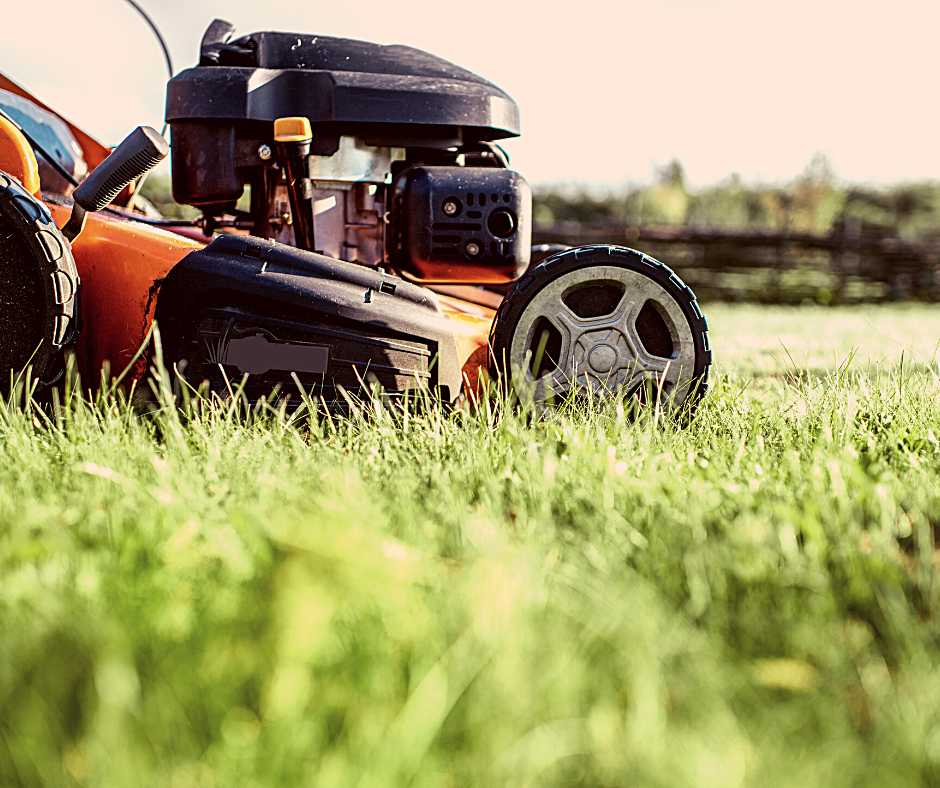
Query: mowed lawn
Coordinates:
[491,598]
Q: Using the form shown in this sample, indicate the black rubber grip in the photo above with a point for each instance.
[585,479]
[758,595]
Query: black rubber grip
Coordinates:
[143,149]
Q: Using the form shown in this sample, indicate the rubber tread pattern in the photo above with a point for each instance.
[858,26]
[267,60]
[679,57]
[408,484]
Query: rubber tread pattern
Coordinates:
[52,255]
[518,298]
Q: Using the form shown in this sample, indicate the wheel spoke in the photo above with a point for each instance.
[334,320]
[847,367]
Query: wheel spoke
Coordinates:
[606,353]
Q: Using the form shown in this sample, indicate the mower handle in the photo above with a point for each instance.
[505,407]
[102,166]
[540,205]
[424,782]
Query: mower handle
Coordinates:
[143,149]
[140,152]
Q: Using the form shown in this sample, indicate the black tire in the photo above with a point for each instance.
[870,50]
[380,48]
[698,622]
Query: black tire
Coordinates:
[39,289]
[602,319]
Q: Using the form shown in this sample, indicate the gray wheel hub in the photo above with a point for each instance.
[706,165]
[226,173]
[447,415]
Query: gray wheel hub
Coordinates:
[606,354]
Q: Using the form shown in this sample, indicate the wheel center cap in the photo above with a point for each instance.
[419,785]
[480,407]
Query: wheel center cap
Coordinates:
[602,358]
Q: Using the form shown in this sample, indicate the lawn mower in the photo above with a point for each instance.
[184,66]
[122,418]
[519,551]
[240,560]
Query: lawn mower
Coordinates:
[360,227]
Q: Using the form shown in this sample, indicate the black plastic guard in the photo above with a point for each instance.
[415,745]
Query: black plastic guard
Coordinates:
[390,89]
[252,307]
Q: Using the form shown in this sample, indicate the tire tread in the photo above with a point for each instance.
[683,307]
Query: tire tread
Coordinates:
[535,278]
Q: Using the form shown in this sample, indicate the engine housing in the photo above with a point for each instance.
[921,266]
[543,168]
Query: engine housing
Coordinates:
[388,123]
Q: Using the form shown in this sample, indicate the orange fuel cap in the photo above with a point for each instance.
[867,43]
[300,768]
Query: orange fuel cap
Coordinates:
[292,130]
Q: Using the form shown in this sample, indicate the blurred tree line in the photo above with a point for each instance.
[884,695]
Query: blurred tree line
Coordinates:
[815,202]
[813,238]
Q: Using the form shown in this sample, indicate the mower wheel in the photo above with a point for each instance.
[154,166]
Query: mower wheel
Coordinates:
[39,289]
[601,321]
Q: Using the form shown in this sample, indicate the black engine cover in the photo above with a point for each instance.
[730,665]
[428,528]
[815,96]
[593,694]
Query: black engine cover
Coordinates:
[265,76]
[222,110]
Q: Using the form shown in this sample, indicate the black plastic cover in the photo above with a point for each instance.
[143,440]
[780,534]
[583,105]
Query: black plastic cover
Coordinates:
[252,306]
[352,87]
[461,224]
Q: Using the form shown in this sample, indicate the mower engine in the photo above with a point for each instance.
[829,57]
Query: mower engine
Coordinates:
[383,156]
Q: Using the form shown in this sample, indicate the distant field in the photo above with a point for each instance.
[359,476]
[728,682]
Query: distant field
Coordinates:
[755,341]
[491,598]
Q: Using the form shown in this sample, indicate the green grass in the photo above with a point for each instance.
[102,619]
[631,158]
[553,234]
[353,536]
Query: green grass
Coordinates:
[488,599]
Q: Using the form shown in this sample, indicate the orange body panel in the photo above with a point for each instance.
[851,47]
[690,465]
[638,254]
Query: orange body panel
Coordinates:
[471,324]
[17,157]
[121,264]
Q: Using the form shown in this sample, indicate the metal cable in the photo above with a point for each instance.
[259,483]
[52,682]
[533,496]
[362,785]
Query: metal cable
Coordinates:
[156,32]
[169,67]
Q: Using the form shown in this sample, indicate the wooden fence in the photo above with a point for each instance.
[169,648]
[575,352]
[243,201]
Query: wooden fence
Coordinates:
[848,265]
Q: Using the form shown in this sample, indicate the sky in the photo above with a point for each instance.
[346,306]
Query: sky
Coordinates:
[608,91]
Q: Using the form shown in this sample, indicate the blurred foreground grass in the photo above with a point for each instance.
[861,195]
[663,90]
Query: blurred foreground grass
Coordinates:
[485,598]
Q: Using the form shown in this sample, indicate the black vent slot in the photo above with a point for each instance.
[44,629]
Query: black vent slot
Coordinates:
[653,331]
[546,348]
[594,300]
